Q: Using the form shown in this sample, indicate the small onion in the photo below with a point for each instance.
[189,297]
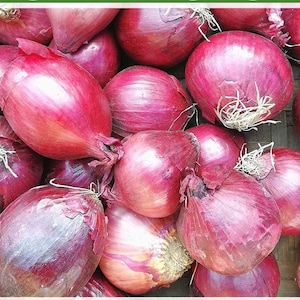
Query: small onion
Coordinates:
[55,106]
[230,229]
[278,171]
[234,80]
[27,23]
[100,56]
[147,98]
[219,152]
[141,253]
[72,27]
[99,286]
[20,167]
[261,281]
[265,21]
[51,242]
[159,37]
[154,164]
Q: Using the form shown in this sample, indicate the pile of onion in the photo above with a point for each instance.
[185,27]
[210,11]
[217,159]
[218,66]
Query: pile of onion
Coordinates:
[214,224]
[261,281]
[154,164]
[278,172]
[147,98]
[51,242]
[234,80]
[161,37]
[140,253]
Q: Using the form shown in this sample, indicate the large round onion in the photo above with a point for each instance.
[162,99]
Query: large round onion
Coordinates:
[261,281]
[159,37]
[265,21]
[141,253]
[27,23]
[234,80]
[147,98]
[20,167]
[55,106]
[230,229]
[51,242]
[147,178]
[72,27]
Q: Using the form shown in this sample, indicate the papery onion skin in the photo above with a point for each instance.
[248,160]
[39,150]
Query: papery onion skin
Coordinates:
[7,54]
[72,27]
[219,152]
[281,178]
[215,226]
[141,253]
[154,162]
[51,242]
[239,64]
[55,106]
[158,37]
[261,281]
[100,56]
[99,286]
[265,21]
[147,98]
[24,167]
[27,23]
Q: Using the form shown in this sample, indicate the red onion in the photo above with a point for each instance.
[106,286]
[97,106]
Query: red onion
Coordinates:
[99,286]
[20,167]
[291,17]
[234,80]
[51,242]
[27,23]
[231,229]
[278,171]
[147,98]
[141,253]
[160,37]
[154,164]
[296,112]
[56,107]
[219,152]
[75,172]
[261,281]
[100,56]
[73,27]
[265,21]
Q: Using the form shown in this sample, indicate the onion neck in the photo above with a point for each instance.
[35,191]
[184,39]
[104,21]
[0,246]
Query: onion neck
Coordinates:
[9,14]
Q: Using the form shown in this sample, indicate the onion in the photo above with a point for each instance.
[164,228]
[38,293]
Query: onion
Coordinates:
[147,98]
[219,152]
[230,229]
[100,56]
[160,37]
[20,167]
[261,281]
[73,27]
[278,171]
[27,23]
[56,107]
[51,242]
[265,21]
[154,164]
[291,17]
[75,172]
[141,253]
[99,286]
[234,80]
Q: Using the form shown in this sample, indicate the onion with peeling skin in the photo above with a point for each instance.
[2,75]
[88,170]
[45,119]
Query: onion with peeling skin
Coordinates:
[230,229]
[147,98]
[141,253]
[51,242]
[72,27]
